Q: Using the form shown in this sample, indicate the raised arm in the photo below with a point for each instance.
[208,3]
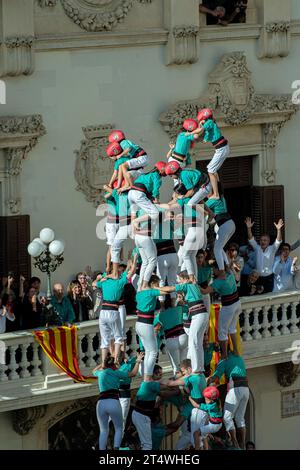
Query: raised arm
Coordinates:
[136,365]
[279,226]
[249,225]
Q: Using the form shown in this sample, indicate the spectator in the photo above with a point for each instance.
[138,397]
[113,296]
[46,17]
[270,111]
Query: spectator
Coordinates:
[249,257]
[81,304]
[36,283]
[31,311]
[236,262]
[62,305]
[250,445]
[224,12]
[265,254]
[214,11]
[5,313]
[253,286]
[284,269]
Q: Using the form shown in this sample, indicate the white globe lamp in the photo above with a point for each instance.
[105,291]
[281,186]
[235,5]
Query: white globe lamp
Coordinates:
[35,249]
[56,247]
[47,235]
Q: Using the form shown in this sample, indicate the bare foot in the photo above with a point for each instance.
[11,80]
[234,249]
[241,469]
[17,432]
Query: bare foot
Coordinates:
[214,196]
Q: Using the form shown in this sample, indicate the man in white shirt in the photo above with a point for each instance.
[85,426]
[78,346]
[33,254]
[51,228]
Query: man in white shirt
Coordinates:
[265,253]
[284,269]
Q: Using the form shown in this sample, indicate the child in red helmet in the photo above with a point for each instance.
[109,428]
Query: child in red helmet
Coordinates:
[131,158]
[184,141]
[209,416]
[211,133]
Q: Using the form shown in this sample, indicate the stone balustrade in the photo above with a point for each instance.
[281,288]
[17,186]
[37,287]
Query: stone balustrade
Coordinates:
[269,325]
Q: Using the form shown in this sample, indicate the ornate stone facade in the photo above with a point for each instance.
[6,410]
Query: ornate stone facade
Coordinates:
[71,408]
[25,419]
[97,15]
[235,103]
[17,56]
[93,168]
[183,45]
[287,373]
[18,135]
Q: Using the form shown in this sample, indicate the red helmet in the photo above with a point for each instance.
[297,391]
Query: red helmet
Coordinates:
[114,149]
[161,167]
[172,168]
[115,184]
[205,113]
[190,125]
[211,392]
[116,136]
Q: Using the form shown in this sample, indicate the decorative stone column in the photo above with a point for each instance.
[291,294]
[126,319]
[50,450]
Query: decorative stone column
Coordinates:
[182,21]
[17,38]
[18,135]
[275,37]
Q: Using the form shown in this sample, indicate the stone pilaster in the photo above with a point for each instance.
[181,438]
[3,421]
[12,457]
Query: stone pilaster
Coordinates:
[182,21]
[275,37]
[17,38]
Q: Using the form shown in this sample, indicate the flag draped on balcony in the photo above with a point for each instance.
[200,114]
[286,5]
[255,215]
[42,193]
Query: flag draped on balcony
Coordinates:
[60,345]
[213,336]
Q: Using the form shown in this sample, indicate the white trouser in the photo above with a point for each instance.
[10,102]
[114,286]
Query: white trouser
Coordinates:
[142,424]
[125,406]
[138,162]
[193,242]
[228,319]
[206,301]
[167,270]
[223,235]
[198,327]
[218,159]
[110,327]
[200,422]
[123,234]
[187,332]
[185,437]
[111,231]
[180,258]
[106,410]
[139,199]
[201,194]
[135,281]
[177,350]
[148,338]
[235,407]
[122,313]
[148,252]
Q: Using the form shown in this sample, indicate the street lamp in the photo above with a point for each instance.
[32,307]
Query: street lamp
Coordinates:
[47,253]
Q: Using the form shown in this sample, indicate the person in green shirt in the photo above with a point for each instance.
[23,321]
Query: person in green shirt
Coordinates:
[230,311]
[209,349]
[199,316]
[109,319]
[112,222]
[225,228]
[180,151]
[204,275]
[146,399]
[210,416]
[146,300]
[211,133]
[62,305]
[234,369]
[108,407]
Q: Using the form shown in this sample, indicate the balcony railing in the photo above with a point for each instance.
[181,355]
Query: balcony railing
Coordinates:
[270,324]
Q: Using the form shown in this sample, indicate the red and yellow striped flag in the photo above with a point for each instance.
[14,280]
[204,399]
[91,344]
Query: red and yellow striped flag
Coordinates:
[213,336]
[60,345]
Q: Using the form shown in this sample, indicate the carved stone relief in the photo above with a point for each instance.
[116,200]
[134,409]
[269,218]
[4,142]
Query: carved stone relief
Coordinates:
[183,45]
[18,135]
[47,3]
[287,373]
[235,103]
[25,419]
[68,410]
[93,168]
[97,15]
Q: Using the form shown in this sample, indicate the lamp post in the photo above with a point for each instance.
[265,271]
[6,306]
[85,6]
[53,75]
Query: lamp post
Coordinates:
[47,253]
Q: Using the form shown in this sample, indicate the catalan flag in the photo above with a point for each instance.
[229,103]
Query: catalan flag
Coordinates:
[213,335]
[60,345]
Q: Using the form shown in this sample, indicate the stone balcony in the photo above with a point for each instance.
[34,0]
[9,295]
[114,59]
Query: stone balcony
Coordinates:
[269,326]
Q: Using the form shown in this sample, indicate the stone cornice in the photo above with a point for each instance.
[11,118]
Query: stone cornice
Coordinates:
[80,40]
